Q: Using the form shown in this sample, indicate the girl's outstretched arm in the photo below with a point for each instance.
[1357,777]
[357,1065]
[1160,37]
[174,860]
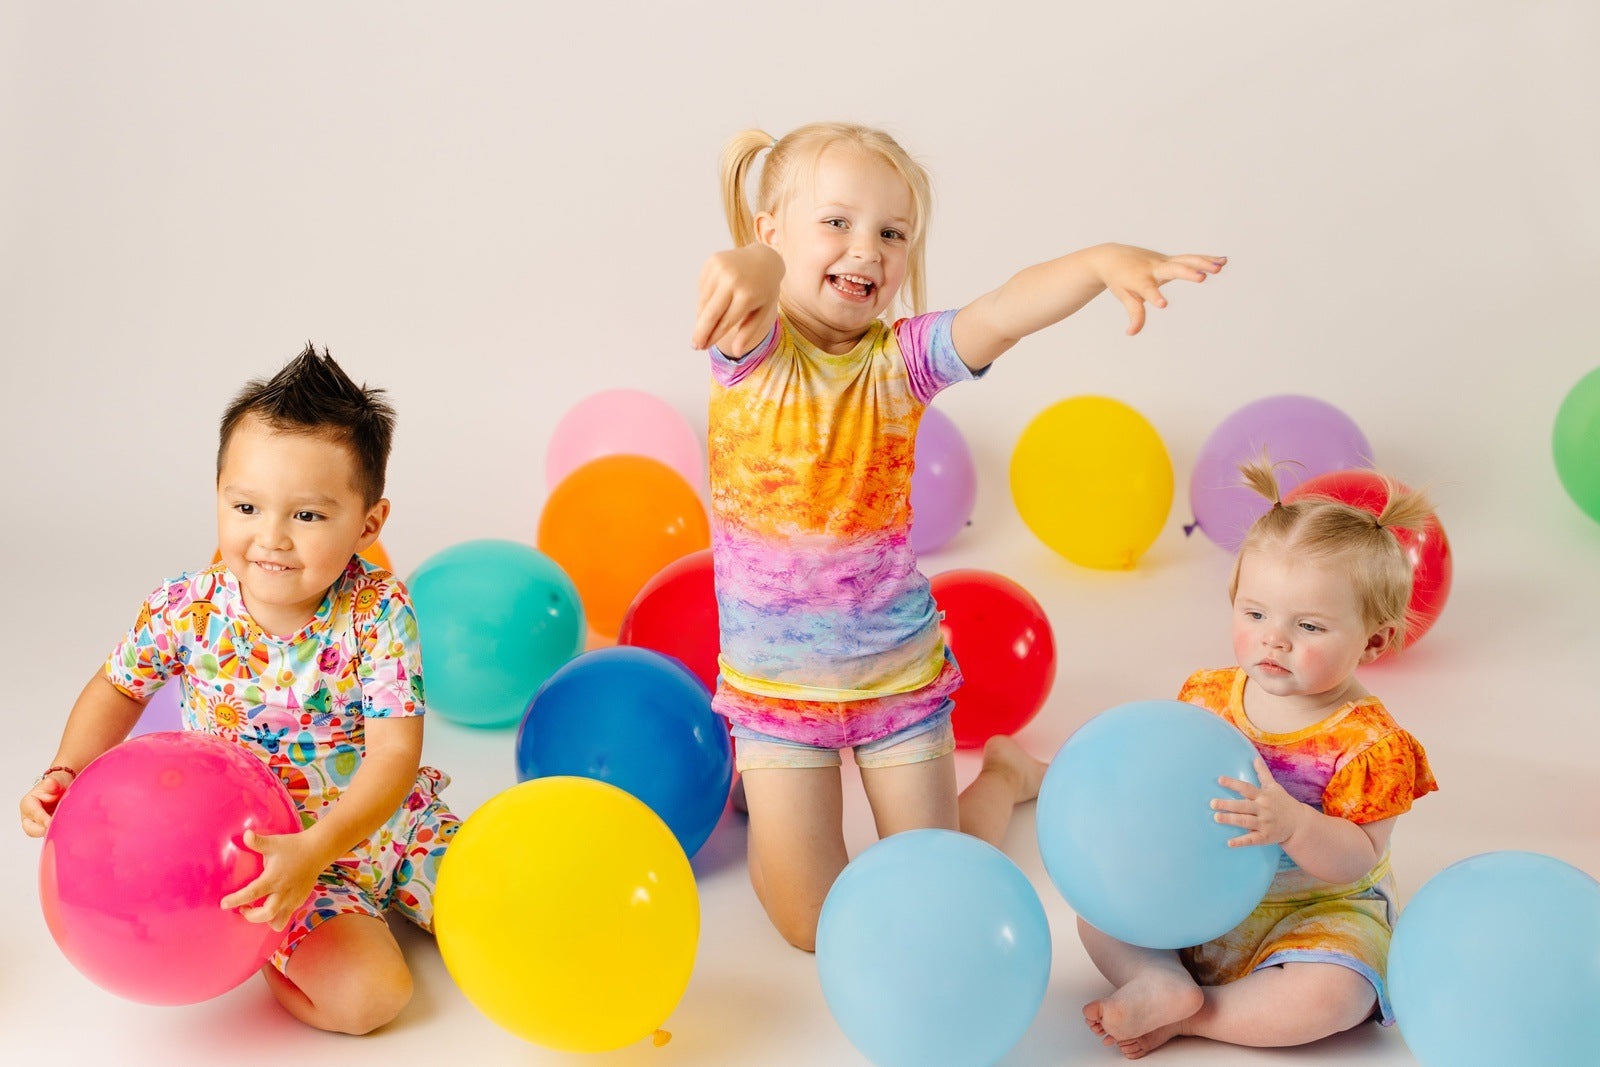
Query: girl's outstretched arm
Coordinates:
[1046,293]
[738,299]
[1325,846]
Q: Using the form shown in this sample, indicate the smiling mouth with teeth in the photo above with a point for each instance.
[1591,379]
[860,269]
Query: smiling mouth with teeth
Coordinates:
[852,284]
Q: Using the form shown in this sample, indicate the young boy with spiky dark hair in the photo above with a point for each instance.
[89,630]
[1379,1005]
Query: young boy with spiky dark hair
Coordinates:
[303,652]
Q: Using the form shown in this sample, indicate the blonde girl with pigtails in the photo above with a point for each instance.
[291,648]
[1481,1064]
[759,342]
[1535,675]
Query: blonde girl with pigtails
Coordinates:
[1319,589]
[830,637]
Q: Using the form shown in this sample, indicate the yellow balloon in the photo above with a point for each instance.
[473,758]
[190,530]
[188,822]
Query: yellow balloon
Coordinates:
[567,913]
[1093,481]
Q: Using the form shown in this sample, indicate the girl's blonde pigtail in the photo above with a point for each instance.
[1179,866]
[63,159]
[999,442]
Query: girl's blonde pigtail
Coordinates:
[738,158]
[1406,509]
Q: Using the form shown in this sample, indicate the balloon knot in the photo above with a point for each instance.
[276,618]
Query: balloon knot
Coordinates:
[1188,531]
[660,1037]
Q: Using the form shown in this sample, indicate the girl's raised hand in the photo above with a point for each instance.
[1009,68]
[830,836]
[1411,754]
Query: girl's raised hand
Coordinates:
[289,872]
[1135,276]
[738,299]
[1267,811]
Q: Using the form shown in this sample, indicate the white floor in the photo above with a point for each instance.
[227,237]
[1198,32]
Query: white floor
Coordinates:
[496,209]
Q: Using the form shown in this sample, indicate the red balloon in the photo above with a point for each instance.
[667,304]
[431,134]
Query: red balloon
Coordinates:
[1002,639]
[1427,548]
[676,614]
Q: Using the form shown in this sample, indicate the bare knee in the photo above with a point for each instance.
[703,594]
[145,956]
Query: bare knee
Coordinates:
[373,1006]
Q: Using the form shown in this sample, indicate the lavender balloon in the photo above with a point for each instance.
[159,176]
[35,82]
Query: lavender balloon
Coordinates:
[161,711]
[944,485]
[1309,436]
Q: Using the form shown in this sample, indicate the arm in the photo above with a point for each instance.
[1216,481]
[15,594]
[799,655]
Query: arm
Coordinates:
[738,299]
[1325,846]
[101,717]
[293,861]
[1046,293]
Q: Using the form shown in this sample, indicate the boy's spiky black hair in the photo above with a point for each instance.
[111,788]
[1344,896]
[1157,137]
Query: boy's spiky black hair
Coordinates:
[312,395]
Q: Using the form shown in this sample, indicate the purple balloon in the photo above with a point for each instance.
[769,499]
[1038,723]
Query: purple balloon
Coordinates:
[161,711]
[1307,435]
[944,483]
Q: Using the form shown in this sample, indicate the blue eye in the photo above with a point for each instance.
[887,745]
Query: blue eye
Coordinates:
[1310,627]
[837,224]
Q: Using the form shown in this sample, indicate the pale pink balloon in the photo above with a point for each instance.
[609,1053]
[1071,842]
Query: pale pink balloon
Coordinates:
[626,421]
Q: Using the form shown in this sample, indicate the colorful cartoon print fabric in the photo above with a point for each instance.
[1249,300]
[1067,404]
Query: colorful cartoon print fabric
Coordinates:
[300,702]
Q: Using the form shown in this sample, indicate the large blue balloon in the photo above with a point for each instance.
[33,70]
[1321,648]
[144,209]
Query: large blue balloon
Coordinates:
[1496,961]
[640,721]
[933,950]
[1127,832]
[496,617]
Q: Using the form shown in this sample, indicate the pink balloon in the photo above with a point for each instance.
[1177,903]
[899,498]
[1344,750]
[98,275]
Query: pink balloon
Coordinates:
[624,421]
[944,484]
[142,849]
[162,711]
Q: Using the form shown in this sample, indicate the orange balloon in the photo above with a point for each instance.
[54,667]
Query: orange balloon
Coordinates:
[373,554]
[613,523]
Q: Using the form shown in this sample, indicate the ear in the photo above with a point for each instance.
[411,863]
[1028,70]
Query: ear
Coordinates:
[1378,643]
[767,229]
[377,515]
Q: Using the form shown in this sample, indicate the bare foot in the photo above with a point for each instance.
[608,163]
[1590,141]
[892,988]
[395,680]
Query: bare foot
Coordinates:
[1152,1000]
[1003,756]
[1137,1048]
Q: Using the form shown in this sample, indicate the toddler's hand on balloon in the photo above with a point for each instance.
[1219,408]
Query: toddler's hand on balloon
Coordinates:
[1266,811]
[290,867]
[39,804]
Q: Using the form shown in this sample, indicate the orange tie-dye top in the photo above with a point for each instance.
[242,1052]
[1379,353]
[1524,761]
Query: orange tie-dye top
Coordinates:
[1357,763]
[818,593]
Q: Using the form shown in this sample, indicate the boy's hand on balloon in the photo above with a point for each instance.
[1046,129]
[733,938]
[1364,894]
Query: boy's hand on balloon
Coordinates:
[39,805]
[290,865]
[738,299]
[1135,276]
[1267,811]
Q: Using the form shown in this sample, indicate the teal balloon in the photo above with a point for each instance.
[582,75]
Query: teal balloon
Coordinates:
[496,619]
[1127,832]
[1577,444]
[933,951]
[1496,961]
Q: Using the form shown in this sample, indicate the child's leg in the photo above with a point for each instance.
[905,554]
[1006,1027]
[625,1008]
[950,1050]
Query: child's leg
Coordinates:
[1291,1004]
[1153,988]
[1009,777]
[347,975]
[796,844]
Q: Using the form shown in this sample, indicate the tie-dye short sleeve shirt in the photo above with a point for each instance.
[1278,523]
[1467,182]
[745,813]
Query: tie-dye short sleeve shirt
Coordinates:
[1357,763]
[300,702]
[811,454]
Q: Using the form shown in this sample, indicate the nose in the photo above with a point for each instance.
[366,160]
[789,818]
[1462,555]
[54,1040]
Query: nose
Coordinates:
[1274,637]
[273,535]
[864,245]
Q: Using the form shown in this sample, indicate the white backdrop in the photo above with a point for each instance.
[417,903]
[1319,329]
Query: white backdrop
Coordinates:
[493,210]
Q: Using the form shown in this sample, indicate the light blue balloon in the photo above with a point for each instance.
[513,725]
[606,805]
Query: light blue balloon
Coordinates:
[1496,961]
[641,721]
[933,951]
[496,619]
[1127,832]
